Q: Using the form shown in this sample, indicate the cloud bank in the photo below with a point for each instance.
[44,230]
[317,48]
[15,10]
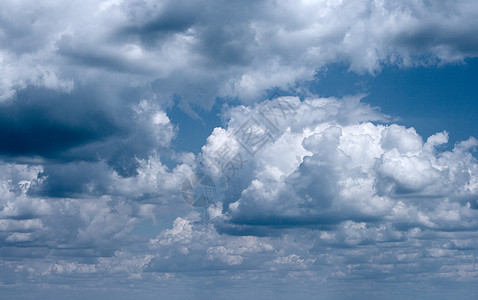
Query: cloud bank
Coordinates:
[336,194]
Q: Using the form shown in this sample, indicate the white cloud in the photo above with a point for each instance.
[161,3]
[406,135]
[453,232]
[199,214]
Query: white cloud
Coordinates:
[327,164]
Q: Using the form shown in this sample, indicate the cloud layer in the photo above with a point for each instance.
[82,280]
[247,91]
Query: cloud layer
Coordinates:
[334,195]
[201,50]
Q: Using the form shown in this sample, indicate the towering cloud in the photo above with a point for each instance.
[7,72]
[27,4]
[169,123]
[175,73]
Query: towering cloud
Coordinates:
[327,163]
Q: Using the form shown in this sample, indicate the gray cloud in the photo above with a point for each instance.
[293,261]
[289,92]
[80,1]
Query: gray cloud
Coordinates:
[252,47]
[46,123]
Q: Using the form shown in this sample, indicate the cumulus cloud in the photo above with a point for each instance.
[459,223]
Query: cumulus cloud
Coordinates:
[327,164]
[85,208]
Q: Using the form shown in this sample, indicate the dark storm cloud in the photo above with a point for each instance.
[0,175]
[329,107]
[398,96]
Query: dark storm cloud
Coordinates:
[42,122]
[452,40]
[151,23]
[84,125]
[74,179]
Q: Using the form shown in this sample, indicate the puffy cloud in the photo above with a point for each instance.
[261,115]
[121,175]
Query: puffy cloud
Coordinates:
[85,208]
[324,164]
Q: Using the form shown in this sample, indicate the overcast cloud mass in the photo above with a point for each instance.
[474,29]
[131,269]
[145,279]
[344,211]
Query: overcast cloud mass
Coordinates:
[315,196]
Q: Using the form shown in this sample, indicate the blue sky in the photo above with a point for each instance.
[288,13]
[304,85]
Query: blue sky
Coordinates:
[333,142]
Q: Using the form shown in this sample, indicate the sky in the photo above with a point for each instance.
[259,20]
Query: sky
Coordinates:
[238,149]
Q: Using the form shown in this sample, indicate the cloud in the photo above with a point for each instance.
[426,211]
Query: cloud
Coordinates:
[80,127]
[251,47]
[327,168]
[83,208]
[320,193]
[46,123]
[325,164]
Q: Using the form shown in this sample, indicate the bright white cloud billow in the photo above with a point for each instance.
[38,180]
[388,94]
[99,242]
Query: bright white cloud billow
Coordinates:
[328,164]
